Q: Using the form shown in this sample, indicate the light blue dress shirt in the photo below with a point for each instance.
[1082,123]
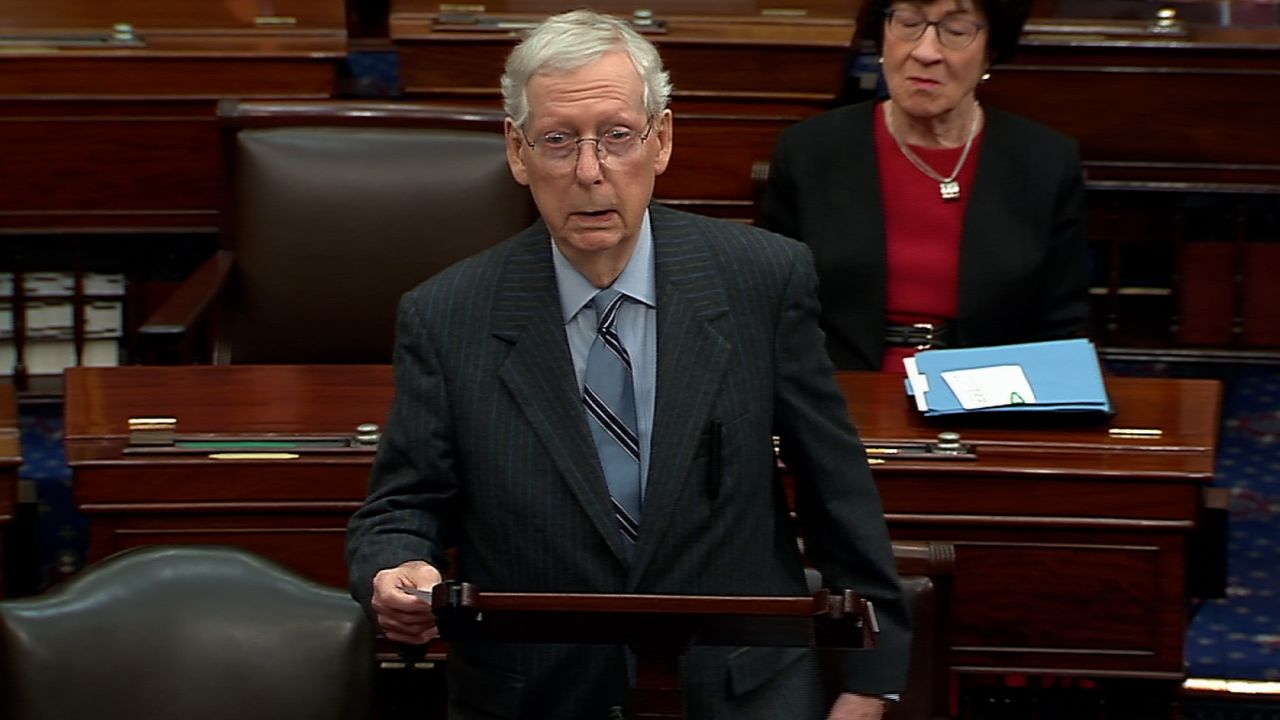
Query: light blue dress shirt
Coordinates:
[637,326]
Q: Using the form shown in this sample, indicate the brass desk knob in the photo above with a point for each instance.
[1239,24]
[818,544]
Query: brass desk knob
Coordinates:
[949,442]
[1166,21]
[368,434]
[123,33]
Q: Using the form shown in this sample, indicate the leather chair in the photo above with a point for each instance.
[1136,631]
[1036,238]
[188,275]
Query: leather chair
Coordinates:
[186,633]
[925,569]
[331,211]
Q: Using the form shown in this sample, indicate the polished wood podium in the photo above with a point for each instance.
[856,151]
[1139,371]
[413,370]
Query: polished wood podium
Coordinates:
[1071,541]
[658,629]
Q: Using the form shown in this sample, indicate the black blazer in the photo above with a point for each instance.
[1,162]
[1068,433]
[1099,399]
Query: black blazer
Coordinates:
[1024,251]
[487,449]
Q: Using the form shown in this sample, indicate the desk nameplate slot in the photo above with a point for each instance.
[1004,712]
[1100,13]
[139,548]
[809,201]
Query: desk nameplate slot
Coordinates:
[296,444]
[947,447]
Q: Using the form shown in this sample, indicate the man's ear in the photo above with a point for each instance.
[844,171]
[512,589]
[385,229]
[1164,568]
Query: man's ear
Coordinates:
[515,152]
[662,132]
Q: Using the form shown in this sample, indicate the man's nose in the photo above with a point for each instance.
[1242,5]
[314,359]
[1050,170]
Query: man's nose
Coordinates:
[589,161]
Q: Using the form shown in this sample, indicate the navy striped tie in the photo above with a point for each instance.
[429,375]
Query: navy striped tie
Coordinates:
[609,396]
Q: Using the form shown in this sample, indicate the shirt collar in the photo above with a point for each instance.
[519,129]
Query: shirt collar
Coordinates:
[636,280]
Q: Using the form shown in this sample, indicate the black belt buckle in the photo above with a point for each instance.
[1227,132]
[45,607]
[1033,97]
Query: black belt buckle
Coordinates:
[921,335]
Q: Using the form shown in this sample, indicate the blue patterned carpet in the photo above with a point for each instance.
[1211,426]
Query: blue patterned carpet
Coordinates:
[62,532]
[1237,637]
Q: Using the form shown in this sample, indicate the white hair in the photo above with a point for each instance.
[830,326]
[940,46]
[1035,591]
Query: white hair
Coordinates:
[574,39]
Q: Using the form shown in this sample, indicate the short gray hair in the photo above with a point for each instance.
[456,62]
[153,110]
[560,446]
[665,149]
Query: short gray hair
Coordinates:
[574,39]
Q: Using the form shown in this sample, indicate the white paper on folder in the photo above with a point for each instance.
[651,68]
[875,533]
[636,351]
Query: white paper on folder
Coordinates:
[918,383]
[992,386]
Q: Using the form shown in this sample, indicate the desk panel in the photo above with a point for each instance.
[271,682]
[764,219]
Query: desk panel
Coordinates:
[130,141]
[1176,111]
[152,168]
[1095,598]
[308,539]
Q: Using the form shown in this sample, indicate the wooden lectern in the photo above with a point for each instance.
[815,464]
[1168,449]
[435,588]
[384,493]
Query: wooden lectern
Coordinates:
[657,628]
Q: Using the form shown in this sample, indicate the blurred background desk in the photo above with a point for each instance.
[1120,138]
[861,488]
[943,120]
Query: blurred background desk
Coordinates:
[111,160]
[1183,222]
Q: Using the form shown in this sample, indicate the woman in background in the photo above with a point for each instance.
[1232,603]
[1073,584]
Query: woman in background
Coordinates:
[934,221]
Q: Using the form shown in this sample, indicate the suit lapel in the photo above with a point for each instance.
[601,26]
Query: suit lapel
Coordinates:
[538,373]
[692,351]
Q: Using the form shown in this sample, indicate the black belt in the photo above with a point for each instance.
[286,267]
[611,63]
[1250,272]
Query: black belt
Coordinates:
[921,336]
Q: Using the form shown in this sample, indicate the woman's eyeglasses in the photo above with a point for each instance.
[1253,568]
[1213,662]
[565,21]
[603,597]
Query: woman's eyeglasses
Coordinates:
[954,33]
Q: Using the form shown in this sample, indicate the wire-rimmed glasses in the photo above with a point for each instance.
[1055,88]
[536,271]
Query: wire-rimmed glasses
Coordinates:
[954,33]
[614,146]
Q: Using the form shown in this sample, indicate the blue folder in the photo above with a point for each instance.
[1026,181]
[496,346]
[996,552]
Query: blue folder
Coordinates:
[1064,377]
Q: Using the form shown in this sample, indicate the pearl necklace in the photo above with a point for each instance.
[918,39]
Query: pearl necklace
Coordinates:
[948,188]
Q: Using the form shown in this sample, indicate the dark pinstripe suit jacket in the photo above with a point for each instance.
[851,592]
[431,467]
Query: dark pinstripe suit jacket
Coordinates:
[1024,271]
[487,449]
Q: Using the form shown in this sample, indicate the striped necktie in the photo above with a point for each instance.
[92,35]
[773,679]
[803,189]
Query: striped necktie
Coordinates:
[610,400]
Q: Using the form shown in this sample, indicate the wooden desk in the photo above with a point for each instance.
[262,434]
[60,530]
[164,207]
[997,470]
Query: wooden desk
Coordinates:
[293,511]
[10,459]
[1070,544]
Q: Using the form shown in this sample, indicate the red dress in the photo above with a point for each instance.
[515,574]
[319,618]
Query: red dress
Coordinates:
[922,235]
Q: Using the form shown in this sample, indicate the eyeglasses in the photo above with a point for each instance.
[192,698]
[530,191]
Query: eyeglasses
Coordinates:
[954,33]
[615,146]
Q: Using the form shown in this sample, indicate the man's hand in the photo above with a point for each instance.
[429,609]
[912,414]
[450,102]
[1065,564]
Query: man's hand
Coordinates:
[402,616]
[857,707]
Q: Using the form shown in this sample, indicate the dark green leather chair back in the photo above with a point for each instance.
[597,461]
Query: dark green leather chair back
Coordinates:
[186,633]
